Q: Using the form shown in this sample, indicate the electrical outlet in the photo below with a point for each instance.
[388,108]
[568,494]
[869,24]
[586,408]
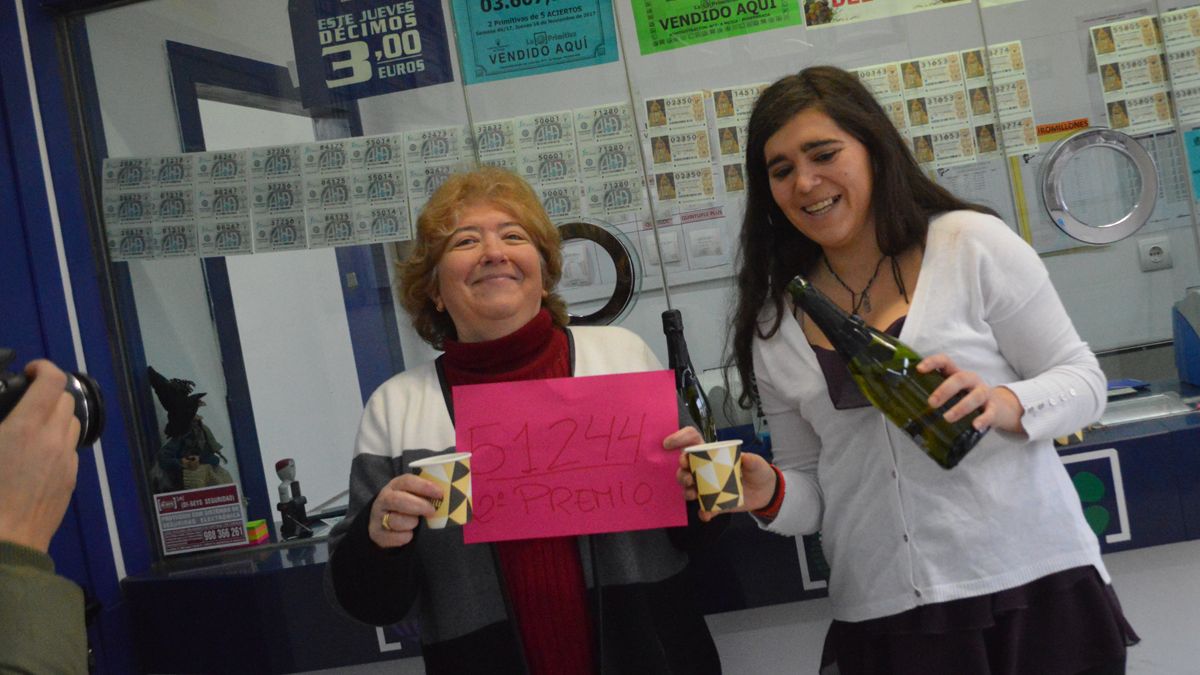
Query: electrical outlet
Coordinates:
[1154,253]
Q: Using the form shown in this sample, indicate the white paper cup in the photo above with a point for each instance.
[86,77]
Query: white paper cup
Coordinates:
[717,468]
[451,472]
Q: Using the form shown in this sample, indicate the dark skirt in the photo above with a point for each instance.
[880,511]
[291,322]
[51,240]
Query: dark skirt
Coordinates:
[1066,623]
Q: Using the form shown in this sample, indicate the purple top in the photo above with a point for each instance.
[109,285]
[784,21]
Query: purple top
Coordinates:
[843,391]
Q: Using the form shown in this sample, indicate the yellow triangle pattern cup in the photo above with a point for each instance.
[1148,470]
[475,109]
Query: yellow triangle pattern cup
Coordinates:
[717,468]
[451,472]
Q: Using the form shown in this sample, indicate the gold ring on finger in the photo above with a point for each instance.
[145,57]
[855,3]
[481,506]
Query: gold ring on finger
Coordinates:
[386,515]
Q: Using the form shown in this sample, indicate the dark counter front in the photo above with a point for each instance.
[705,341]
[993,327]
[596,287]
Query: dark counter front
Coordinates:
[257,612]
[264,610]
[1138,483]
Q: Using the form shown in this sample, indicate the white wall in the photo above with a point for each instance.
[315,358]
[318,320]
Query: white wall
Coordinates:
[1112,303]
[132,80]
[294,332]
[292,323]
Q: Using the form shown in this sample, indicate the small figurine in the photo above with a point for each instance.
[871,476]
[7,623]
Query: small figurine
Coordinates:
[191,457]
[291,502]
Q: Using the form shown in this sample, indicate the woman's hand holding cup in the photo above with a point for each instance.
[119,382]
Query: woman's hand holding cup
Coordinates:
[758,478]
[400,505]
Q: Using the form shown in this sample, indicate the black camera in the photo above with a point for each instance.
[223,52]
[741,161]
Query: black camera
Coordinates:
[89,405]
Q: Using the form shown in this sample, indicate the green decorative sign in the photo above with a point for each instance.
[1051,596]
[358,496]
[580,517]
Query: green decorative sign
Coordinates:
[1092,492]
[500,39]
[663,25]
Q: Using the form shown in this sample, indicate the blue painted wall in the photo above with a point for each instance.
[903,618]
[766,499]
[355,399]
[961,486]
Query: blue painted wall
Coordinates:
[36,303]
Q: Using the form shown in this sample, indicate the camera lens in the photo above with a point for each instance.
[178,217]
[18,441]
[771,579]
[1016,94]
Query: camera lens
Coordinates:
[89,407]
[89,404]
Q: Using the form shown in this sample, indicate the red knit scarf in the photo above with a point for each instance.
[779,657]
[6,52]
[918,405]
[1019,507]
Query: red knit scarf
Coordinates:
[544,577]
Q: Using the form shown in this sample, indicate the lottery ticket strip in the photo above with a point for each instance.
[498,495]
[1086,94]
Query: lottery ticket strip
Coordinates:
[947,109]
[582,163]
[1133,59]
[679,160]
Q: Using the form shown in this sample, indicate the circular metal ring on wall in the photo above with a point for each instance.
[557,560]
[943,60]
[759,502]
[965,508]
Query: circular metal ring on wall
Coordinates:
[625,260]
[1052,190]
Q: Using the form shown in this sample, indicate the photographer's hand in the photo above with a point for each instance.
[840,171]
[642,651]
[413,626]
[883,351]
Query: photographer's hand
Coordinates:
[38,459]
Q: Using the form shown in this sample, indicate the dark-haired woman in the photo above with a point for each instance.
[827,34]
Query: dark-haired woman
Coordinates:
[989,567]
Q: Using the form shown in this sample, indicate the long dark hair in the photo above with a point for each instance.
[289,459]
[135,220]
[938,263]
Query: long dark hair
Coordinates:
[772,250]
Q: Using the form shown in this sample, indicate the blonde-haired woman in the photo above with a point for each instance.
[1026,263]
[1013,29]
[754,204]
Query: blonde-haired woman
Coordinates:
[479,285]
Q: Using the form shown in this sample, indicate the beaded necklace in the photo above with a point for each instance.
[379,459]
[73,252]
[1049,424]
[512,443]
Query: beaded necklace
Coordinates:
[863,300]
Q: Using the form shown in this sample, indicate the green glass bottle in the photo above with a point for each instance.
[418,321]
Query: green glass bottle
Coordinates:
[686,381]
[885,369]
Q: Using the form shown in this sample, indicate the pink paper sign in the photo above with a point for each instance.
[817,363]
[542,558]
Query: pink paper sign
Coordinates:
[574,455]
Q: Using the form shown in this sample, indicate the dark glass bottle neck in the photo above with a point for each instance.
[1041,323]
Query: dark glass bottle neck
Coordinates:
[848,334]
[677,351]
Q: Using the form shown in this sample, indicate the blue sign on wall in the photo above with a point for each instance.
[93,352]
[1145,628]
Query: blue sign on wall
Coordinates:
[351,49]
[1192,144]
[499,39]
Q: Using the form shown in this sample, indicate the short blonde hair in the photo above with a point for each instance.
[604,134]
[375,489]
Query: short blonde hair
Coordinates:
[488,186]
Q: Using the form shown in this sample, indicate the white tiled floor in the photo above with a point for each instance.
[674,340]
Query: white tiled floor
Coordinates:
[1159,589]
